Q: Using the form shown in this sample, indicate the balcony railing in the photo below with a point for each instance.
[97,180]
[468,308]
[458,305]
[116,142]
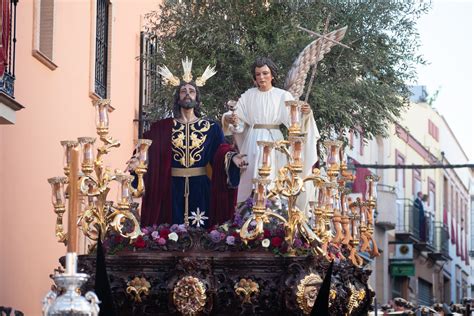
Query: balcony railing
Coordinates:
[426,233]
[412,224]
[407,218]
[8,47]
[441,239]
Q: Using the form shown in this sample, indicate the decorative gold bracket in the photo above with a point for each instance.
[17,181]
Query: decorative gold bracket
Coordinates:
[138,288]
[246,289]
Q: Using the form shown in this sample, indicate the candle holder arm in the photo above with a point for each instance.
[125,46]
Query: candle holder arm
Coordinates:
[355,258]
[109,143]
[59,229]
[338,236]
[365,246]
[86,183]
[311,237]
[347,232]
[281,146]
[375,250]
[247,235]
[140,189]
[117,219]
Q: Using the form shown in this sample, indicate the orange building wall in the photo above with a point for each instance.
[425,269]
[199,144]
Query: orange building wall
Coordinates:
[57,107]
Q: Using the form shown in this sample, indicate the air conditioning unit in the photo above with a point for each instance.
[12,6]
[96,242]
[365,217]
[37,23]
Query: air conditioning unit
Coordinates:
[403,252]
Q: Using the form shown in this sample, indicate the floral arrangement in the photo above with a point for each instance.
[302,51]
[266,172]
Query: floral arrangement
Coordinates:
[157,237]
[225,237]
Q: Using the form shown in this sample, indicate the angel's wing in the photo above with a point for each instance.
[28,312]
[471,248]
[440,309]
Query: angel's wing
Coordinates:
[296,78]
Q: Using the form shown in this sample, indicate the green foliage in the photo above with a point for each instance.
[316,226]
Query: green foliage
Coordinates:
[363,87]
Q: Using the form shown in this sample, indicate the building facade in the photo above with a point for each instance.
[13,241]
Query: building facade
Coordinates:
[425,256]
[63,56]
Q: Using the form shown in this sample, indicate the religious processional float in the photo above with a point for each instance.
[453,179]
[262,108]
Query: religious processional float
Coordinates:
[269,260]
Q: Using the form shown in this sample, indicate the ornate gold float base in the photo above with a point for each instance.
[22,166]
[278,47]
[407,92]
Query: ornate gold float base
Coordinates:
[230,283]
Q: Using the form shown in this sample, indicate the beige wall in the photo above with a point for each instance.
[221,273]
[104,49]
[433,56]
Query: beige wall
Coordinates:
[58,107]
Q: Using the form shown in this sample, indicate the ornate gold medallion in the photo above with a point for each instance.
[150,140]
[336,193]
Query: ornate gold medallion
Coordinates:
[189,295]
[307,292]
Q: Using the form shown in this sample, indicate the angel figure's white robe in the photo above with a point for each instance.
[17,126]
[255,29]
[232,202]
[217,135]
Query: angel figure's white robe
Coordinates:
[257,107]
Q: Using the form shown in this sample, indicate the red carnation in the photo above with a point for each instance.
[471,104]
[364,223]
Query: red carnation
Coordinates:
[276,242]
[164,233]
[140,243]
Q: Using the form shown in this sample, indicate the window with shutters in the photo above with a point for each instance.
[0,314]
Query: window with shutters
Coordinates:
[102,31]
[425,293]
[43,40]
[400,172]
[397,287]
[416,181]
[150,85]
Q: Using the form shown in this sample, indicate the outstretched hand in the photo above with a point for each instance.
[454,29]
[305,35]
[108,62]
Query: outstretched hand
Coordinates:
[132,164]
[240,161]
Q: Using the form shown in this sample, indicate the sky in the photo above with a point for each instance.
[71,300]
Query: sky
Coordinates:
[446,43]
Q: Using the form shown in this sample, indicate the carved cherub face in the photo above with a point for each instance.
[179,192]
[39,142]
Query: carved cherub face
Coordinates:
[307,292]
[310,294]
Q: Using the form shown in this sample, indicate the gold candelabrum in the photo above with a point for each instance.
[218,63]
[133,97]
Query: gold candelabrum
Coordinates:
[97,215]
[336,222]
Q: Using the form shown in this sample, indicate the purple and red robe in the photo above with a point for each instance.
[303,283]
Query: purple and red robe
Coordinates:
[180,145]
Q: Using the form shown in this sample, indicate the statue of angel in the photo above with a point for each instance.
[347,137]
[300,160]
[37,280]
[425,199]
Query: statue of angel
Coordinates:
[261,110]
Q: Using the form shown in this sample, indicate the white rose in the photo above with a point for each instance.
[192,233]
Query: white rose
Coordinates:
[173,236]
[266,243]
[225,227]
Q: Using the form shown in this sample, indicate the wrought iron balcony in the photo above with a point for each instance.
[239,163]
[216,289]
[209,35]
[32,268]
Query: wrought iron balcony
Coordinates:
[8,104]
[423,231]
[414,227]
[441,242]
[8,77]
[407,226]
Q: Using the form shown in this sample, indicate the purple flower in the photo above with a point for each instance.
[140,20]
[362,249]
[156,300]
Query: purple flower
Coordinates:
[238,221]
[182,228]
[155,235]
[161,241]
[174,228]
[249,203]
[298,242]
[215,236]
[145,230]
[230,240]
